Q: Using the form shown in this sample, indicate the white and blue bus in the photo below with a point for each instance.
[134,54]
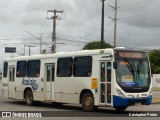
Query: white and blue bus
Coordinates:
[93,78]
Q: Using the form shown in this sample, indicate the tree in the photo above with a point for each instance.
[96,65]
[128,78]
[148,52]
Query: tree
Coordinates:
[154,57]
[96,45]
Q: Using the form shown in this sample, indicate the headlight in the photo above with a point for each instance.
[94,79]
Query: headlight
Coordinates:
[120,93]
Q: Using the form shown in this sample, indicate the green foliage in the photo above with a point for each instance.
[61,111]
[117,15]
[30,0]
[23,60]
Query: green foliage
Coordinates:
[154,57]
[96,45]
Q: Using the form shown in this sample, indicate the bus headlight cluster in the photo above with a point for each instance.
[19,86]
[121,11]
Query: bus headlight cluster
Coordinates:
[120,93]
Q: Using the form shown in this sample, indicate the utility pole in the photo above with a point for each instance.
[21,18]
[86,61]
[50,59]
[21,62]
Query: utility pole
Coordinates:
[29,46]
[55,17]
[24,51]
[115,22]
[40,43]
[40,39]
[102,25]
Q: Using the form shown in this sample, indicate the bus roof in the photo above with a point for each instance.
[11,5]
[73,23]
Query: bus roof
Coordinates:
[109,51]
[62,54]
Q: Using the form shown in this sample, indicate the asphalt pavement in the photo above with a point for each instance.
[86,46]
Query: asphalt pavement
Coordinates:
[69,109]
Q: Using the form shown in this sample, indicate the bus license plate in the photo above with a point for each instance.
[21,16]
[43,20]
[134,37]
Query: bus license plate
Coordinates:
[138,103]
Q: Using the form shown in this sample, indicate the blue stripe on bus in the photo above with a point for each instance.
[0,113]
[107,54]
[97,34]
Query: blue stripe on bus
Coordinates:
[119,101]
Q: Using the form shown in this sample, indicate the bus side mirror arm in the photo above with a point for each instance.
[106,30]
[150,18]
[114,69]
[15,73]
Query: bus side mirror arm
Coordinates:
[115,65]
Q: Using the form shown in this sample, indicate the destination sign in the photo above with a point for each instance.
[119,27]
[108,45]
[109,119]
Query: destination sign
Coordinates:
[124,54]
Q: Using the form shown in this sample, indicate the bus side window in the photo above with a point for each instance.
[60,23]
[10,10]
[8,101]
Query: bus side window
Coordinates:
[33,68]
[21,69]
[82,66]
[64,67]
[5,69]
[38,73]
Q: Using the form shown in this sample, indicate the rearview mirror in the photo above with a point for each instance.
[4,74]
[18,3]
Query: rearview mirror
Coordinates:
[115,65]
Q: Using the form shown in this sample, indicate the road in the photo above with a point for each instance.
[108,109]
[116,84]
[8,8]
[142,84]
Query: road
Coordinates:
[71,110]
[75,112]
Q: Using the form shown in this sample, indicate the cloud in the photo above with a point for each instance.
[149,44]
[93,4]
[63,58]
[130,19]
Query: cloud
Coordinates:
[36,10]
[84,17]
[5,15]
[144,14]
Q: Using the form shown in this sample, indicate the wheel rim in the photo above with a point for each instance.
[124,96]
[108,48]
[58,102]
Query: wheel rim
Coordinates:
[88,103]
[29,98]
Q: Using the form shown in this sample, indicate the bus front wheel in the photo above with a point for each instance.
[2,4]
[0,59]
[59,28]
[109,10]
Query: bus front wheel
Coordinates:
[29,97]
[88,102]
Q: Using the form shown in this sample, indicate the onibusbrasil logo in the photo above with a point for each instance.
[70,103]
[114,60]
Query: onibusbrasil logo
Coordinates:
[33,83]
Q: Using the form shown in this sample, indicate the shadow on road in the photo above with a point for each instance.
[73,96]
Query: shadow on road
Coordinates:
[71,110]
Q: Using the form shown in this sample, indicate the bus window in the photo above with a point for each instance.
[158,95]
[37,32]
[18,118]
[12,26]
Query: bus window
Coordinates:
[64,67]
[103,72]
[5,69]
[21,69]
[109,71]
[82,66]
[33,68]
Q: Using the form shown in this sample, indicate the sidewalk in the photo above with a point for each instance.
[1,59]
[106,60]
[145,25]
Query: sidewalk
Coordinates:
[156,97]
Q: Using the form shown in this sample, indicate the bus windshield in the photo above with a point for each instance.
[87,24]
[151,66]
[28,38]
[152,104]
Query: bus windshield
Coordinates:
[133,75]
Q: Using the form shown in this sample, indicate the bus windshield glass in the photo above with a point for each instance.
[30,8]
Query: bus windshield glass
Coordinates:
[133,74]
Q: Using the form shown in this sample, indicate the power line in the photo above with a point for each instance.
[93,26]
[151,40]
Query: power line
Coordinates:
[42,26]
[108,2]
[86,25]
[46,27]
[71,40]
[115,21]
[29,46]
[147,13]
[98,30]
[140,35]
[137,3]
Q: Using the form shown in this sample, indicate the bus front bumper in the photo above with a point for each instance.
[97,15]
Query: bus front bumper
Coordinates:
[119,101]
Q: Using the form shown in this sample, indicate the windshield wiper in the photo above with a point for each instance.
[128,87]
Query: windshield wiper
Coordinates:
[130,67]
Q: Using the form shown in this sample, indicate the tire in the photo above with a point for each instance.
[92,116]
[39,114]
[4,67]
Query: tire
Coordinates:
[88,102]
[29,97]
[121,108]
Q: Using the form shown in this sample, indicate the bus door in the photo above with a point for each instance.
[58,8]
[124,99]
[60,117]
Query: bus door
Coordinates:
[49,81]
[11,89]
[105,83]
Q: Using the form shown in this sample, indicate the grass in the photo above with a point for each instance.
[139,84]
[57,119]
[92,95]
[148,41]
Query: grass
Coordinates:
[156,88]
[155,100]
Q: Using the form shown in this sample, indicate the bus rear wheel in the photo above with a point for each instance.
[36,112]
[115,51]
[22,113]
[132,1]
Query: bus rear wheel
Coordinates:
[88,102]
[29,97]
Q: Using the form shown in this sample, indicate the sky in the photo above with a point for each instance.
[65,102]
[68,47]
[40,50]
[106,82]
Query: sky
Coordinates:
[22,22]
